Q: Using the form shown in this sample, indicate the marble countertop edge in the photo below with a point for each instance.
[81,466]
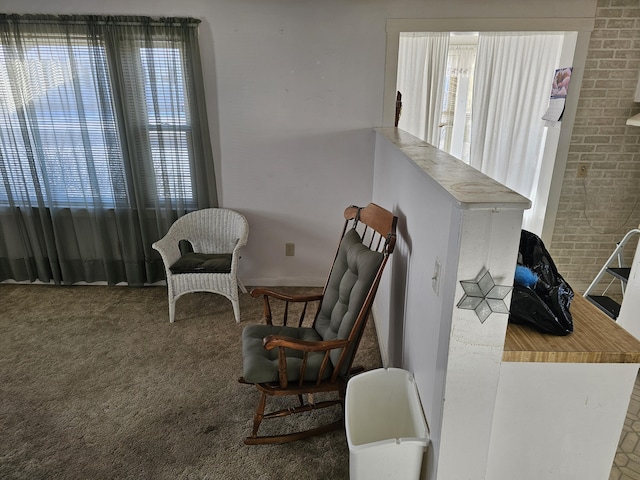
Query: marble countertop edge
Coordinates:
[468,187]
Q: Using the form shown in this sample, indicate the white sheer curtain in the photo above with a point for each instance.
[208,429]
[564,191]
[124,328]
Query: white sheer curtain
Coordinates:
[456,111]
[512,84]
[422,64]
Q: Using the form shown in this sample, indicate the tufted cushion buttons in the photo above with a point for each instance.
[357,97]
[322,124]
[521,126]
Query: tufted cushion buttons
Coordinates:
[351,278]
[353,274]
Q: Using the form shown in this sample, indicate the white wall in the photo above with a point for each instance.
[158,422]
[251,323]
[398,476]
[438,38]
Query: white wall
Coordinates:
[559,421]
[451,214]
[411,330]
[294,90]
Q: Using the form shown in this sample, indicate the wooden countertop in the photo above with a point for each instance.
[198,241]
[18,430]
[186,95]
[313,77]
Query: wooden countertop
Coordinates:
[595,339]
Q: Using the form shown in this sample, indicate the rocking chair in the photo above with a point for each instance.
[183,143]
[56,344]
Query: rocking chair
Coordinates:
[285,360]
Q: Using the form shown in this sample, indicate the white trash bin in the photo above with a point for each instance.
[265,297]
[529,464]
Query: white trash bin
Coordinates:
[386,429]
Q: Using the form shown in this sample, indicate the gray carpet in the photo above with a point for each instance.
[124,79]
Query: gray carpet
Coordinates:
[95,383]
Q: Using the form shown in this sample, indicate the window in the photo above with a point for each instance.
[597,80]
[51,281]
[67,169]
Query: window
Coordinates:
[455,137]
[65,141]
[167,121]
[104,142]
[46,128]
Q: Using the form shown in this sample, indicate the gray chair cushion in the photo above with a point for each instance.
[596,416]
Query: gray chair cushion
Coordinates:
[351,278]
[261,365]
[203,263]
[349,283]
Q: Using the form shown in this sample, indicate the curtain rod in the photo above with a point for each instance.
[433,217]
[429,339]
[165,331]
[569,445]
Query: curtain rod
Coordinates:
[125,20]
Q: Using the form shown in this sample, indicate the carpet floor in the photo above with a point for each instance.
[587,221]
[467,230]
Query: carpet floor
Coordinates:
[95,383]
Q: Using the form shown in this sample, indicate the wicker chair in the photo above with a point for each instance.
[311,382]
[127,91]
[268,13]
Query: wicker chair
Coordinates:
[215,236]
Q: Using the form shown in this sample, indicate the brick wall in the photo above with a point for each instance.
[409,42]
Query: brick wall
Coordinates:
[597,210]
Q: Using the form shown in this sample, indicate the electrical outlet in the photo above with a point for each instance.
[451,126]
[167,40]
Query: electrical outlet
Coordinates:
[289,249]
[583,169]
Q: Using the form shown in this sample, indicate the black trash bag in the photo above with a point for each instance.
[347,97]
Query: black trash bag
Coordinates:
[544,306]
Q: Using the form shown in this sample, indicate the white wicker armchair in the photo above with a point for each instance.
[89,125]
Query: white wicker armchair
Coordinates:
[216,236]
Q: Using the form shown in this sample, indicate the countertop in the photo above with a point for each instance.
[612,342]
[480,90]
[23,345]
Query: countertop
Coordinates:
[468,188]
[596,338]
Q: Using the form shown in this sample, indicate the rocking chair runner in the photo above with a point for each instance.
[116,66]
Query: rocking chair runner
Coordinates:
[295,360]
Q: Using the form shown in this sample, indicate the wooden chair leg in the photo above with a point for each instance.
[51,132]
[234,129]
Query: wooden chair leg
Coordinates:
[259,415]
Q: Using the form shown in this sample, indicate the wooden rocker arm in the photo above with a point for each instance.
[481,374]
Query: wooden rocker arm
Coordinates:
[273,341]
[268,293]
[282,343]
[256,292]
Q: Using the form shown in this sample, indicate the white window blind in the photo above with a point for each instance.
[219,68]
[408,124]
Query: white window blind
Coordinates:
[63,139]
